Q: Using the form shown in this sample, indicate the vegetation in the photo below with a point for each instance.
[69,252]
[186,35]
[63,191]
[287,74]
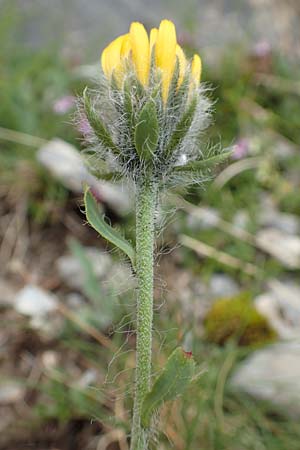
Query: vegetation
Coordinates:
[258,104]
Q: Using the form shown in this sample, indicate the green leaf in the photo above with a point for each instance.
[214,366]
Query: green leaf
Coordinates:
[203,164]
[173,85]
[96,220]
[147,131]
[97,125]
[173,380]
[182,127]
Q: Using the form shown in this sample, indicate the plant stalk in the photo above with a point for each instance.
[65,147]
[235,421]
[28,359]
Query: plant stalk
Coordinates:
[145,212]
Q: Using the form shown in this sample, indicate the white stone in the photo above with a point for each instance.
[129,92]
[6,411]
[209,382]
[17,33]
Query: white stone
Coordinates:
[273,375]
[116,274]
[65,162]
[280,304]
[203,218]
[10,392]
[222,285]
[282,246]
[34,302]
[71,271]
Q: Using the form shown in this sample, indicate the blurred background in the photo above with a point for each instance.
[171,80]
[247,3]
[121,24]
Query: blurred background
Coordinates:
[228,262]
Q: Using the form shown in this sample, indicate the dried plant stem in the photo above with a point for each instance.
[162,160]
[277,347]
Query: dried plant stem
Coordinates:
[145,212]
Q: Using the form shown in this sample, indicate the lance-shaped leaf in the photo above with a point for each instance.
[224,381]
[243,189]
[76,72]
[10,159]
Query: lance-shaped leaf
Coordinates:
[173,86]
[96,220]
[182,127]
[173,380]
[97,125]
[147,131]
[203,164]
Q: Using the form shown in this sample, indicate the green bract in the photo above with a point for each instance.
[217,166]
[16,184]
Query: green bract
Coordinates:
[134,129]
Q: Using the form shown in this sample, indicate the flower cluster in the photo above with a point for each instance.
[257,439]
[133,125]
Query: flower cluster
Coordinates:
[148,111]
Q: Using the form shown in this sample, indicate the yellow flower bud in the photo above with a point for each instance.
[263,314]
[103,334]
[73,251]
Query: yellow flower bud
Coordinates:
[110,57]
[165,54]
[140,51]
[196,69]
[182,63]
[153,37]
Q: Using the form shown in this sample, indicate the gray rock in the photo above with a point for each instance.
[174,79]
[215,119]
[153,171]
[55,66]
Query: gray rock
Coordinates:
[116,274]
[71,271]
[281,306]
[34,302]
[273,375]
[11,392]
[203,218]
[282,246]
[222,285]
[269,216]
[88,378]
[66,164]
[41,308]
[50,359]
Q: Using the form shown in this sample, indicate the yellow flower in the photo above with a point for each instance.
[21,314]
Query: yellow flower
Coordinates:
[196,69]
[137,47]
[140,51]
[182,63]
[165,54]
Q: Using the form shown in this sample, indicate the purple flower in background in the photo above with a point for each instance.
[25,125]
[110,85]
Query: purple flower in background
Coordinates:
[240,149]
[84,127]
[63,104]
[262,49]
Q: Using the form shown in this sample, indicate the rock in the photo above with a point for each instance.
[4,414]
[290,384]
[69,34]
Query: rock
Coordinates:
[50,359]
[65,163]
[88,378]
[287,294]
[11,392]
[273,375]
[75,300]
[269,216]
[40,306]
[34,302]
[282,246]
[281,306]
[203,218]
[222,285]
[72,273]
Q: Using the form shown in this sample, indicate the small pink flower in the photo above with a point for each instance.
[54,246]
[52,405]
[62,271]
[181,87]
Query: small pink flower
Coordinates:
[84,127]
[63,104]
[262,49]
[240,149]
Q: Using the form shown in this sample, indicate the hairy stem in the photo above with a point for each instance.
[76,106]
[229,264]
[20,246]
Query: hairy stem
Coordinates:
[145,211]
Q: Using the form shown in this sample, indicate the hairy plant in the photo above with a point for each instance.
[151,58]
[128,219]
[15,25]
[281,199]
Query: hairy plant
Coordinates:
[146,119]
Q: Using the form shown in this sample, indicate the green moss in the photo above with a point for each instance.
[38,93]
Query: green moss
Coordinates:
[237,318]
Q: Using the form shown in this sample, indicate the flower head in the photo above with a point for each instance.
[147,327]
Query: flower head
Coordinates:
[149,108]
[155,55]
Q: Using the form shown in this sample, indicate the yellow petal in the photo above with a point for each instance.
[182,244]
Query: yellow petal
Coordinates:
[165,54]
[126,46]
[140,51]
[182,63]
[110,57]
[153,37]
[196,69]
